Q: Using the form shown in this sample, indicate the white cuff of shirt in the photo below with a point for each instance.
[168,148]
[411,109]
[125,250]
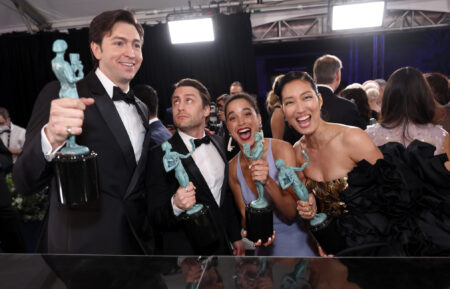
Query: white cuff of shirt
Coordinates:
[176,211]
[49,155]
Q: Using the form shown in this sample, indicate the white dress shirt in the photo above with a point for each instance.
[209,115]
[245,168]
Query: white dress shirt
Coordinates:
[128,114]
[211,165]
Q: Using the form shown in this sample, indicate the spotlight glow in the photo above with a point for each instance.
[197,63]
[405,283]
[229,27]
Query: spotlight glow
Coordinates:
[192,30]
[362,15]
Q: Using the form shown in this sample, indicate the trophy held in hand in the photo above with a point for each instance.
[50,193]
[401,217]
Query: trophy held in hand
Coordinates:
[199,225]
[287,176]
[75,165]
[258,214]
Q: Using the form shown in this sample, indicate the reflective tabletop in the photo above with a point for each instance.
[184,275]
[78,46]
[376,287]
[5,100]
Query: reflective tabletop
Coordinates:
[99,271]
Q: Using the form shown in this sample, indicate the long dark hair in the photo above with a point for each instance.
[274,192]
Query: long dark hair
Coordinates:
[291,76]
[407,98]
[361,100]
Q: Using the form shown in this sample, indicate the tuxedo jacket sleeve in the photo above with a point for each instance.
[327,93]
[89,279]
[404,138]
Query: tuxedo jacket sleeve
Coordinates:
[5,167]
[118,226]
[162,186]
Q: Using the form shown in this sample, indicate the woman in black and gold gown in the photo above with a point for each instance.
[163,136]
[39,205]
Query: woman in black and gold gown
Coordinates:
[383,201]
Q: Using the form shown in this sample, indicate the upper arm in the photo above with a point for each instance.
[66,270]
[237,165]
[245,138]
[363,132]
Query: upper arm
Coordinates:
[446,150]
[277,123]
[360,146]
[235,187]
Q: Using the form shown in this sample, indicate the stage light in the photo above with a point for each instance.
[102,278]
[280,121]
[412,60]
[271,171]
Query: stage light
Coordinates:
[361,15]
[191,30]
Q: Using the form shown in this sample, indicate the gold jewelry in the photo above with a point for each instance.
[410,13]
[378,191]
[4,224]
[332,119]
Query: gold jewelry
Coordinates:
[69,131]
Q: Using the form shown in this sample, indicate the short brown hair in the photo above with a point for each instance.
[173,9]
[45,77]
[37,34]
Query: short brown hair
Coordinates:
[204,93]
[325,68]
[104,22]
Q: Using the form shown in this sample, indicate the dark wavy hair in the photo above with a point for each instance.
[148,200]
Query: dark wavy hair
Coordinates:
[241,95]
[103,23]
[204,93]
[361,100]
[407,98]
[439,85]
[291,76]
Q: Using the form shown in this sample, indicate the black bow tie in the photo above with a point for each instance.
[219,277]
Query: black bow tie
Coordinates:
[118,94]
[204,140]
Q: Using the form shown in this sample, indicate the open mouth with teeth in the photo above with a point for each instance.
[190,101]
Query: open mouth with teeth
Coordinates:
[304,121]
[245,133]
[127,65]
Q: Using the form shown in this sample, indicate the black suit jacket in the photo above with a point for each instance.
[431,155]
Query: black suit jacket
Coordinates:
[117,227]
[5,167]
[339,110]
[164,185]
[159,133]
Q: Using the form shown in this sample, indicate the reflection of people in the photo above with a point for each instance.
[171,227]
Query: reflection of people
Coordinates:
[201,273]
[243,120]
[249,275]
[206,169]
[378,202]
[113,129]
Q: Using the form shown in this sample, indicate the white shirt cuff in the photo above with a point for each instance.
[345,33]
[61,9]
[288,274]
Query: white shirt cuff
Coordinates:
[176,211]
[49,155]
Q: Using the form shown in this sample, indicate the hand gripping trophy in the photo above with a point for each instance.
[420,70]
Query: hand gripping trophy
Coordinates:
[199,225]
[75,165]
[288,177]
[258,214]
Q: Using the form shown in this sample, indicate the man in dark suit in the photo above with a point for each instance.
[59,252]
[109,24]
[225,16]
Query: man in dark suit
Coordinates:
[148,95]
[11,238]
[111,125]
[327,74]
[208,174]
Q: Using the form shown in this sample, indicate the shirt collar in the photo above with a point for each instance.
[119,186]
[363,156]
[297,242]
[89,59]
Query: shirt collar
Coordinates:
[186,139]
[327,86]
[106,82]
[153,120]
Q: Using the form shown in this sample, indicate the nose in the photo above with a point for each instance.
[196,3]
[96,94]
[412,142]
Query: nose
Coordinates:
[130,50]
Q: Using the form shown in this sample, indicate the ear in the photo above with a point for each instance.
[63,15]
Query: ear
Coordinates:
[259,119]
[320,100]
[338,76]
[96,50]
[207,111]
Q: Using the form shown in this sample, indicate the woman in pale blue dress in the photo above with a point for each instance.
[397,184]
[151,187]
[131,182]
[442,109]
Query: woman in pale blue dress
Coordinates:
[243,120]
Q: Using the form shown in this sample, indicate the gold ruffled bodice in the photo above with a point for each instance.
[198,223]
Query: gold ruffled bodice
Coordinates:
[327,195]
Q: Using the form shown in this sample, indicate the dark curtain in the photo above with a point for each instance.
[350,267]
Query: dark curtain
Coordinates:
[216,64]
[26,67]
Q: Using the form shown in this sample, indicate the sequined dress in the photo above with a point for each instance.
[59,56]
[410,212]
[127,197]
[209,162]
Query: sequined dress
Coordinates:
[400,206]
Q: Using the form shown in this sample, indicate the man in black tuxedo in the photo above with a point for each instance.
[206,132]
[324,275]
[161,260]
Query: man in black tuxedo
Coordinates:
[113,126]
[148,95]
[207,170]
[11,238]
[327,74]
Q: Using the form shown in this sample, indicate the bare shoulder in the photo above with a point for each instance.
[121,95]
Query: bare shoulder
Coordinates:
[360,146]
[281,148]
[232,165]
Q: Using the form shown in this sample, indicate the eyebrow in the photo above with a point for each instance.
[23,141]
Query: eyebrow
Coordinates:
[303,93]
[125,39]
[246,108]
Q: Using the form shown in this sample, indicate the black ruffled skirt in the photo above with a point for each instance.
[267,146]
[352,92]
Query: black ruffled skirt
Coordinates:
[399,206]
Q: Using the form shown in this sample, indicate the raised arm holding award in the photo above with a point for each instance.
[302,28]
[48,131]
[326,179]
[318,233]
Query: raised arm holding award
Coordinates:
[75,165]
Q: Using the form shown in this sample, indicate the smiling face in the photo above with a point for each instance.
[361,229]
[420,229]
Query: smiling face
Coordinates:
[119,54]
[301,106]
[242,121]
[189,114]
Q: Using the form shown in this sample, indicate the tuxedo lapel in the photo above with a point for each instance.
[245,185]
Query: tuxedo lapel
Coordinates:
[191,168]
[220,146]
[109,113]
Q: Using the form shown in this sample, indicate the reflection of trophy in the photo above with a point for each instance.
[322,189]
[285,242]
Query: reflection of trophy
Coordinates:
[287,177]
[296,278]
[258,214]
[75,165]
[199,225]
